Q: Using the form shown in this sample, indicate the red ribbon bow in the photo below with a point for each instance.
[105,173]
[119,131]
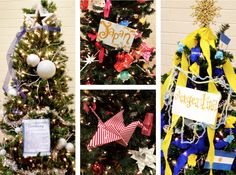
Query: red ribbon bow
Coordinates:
[143,50]
[123,61]
[107,8]
[99,46]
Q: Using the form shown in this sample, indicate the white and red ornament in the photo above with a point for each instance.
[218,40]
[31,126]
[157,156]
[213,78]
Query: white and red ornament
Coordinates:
[46,69]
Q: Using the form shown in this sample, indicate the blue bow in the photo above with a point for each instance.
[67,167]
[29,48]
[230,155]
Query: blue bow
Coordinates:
[195,54]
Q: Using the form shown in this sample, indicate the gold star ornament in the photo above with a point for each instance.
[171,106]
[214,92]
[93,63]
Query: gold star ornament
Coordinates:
[205,12]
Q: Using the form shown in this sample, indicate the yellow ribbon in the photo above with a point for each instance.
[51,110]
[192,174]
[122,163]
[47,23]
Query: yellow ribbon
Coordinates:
[195,68]
[230,75]
[182,81]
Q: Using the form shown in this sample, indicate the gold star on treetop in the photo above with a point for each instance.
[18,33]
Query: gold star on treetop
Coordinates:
[205,11]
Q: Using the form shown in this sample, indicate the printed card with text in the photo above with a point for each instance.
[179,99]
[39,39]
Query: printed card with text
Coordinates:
[196,105]
[36,137]
[116,35]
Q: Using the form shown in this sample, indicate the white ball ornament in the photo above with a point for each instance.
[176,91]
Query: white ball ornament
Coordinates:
[3,152]
[17,130]
[33,60]
[61,143]
[11,91]
[46,69]
[70,147]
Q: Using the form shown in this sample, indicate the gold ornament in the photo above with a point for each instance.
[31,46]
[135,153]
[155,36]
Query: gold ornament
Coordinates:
[145,65]
[142,21]
[205,11]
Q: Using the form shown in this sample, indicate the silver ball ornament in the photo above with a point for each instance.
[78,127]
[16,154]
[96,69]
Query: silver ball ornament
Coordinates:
[61,143]
[33,60]
[3,152]
[70,147]
[11,91]
[46,69]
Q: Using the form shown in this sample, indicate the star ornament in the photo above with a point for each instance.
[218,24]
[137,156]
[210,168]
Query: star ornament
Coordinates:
[144,157]
[205,11]
[40,18]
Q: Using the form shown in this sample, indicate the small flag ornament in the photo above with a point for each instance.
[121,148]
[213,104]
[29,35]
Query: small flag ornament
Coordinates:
[222,161]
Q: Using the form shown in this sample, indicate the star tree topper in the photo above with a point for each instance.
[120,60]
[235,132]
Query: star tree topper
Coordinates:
[40,17]
[205,11]
[144,157]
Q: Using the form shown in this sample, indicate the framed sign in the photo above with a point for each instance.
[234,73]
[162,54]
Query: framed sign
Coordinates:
[196,105]
[116,35]
[36,137]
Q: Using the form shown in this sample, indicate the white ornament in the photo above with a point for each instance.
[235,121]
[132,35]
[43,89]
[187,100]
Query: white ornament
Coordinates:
[3,152]
[61,143]
[144,157]
[70,147]
[33,60]
[46,69]
[17,130]
[11,91]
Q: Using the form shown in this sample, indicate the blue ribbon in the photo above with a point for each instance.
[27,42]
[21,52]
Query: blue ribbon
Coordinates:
[11,74]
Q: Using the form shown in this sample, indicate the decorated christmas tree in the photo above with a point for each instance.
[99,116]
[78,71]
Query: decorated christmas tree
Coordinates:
[118,132]
[198,101]
[113,46]
[38,122]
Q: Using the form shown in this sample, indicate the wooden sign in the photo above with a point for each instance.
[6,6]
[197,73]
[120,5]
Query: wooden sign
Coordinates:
[116,35]
[196,105]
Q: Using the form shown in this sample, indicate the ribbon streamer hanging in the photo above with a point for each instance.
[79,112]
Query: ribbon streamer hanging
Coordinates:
[11,74]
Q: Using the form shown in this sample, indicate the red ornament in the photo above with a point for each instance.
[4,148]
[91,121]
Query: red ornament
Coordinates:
[83,4]
[141,1]
[97,168]
[124,61]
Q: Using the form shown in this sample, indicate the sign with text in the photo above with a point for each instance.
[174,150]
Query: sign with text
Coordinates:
[36,137]
[196,105]
[116,35]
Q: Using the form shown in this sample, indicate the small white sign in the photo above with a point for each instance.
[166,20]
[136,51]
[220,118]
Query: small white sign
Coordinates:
[36,137]
[116,35]
[196,105]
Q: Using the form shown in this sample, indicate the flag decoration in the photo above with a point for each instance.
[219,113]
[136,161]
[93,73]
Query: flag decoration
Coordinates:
[113,130]
[224,38]
[222,161]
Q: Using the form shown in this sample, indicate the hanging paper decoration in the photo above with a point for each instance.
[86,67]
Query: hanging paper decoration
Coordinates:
[124,61]
[113,130]
[84,4]
[120,37]
[144,157]
[107,8]
[143,51]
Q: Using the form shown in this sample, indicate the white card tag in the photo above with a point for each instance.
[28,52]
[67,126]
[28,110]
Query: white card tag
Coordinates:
[36,137]
[196,105]
[116,35]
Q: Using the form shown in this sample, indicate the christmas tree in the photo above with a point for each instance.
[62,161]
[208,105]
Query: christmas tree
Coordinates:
[202,62]
[101,151]
[38,122]
[113,47]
